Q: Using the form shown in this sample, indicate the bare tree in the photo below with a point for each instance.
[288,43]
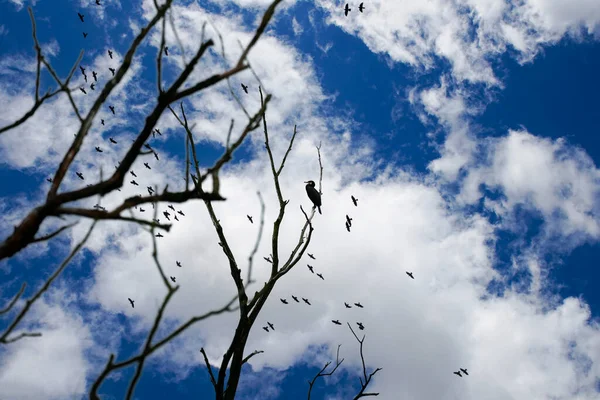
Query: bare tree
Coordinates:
[225,381]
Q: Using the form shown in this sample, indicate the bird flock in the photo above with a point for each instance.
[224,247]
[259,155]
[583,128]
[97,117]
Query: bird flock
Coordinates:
[312,192]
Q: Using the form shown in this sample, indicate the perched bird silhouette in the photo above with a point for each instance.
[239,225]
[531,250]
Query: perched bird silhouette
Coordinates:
[284,301]
[295,299]
[464,371]
[167,215]
[265,328]
[159,234]
[146,165]
[310,267]
[84,35]
[173,279]
[80,175]
[306,301]
[250,218]
[141,209]
[311,256]
[81,17]
[271,326]
[83,90]
[112,108]
[347,305]
[336,321]
[347,10]
[167,51]
[347,226]
[457,373]
[133,173]
[156,220]
[134,183]
[98,149]
[348,221]
[110,54]
[245,88]
[320,276]
[131,301]
[112,70]
[354,200]
[360,326]
[361,7]
[178,264]
[171,207]
[313,194]
[358,305]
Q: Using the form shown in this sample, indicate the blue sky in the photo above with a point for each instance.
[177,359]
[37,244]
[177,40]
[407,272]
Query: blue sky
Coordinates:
[469,135]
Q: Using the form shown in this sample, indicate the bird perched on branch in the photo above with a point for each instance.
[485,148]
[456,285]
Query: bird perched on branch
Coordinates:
[313,194]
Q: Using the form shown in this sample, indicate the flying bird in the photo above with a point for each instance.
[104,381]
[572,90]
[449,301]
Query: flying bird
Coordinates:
[95,75]
[354,200]
[295,299]
[102,122]
[134,183]
[93,87]
[146,165]
[313,194]
[110,54]
[175,216]
[336,321]
[347,305]
[358,305]
[167,215]
[80,16]
[133,173]
[410,274]
[245,88]
[320,276]
[178,264]
[84,35]
[98,3]
[167,51]
[360,326]
[457,373]
[171,207]
[271,326]
[284,301]
[159,234]
[141,209]
[310,267]
[112,108]
[361,7]
[155,155]
[83,90]
[49,180]
[250,218]
[98,149]
[464,371]
[347,10]
[112,70]
[82,70]
[348,221]
[80,175]
[306,301]
[265,328]
[180,213]
[157,131]
[173,279]
[268,259]
[347,226]
[311,256]
[131,301]
[150,190]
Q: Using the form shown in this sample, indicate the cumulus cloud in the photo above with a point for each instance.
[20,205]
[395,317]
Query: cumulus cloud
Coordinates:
[418,330]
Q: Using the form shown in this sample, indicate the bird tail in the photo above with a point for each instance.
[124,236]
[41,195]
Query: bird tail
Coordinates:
[320,210]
